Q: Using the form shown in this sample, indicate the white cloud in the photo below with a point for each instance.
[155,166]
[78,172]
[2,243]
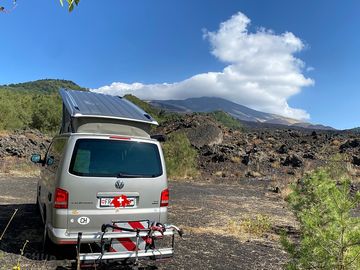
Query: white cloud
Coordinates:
[262,71]
[309,69]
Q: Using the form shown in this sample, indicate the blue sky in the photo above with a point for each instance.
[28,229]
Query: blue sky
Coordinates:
[182,43]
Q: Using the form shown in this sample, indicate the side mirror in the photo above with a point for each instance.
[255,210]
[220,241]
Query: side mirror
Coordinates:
[50,161]
[36,158]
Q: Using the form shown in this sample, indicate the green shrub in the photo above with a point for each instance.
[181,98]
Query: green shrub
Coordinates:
[330,233]
[46,113]
[226,119]
[181,158]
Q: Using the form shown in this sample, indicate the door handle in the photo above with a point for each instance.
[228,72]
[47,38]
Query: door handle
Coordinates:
[49,196]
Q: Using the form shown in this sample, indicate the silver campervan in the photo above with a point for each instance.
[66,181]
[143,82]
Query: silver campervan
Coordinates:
[103,168]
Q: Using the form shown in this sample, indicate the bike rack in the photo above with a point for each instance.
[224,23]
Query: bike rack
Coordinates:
[139,235]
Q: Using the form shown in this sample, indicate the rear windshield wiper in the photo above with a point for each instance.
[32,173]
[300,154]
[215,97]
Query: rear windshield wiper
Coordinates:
[127,175]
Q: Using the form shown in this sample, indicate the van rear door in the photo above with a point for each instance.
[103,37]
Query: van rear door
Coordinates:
[114,179]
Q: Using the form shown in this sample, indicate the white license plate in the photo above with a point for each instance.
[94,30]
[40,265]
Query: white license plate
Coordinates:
[107,202]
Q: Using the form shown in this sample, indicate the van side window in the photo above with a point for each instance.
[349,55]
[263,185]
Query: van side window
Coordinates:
[54,154]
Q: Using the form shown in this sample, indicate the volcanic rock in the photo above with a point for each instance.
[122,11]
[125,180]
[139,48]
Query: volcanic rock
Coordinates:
[293,160]
[309,155]
[23,143]
[283,149]
[350,144]
[207,134]
[356,160]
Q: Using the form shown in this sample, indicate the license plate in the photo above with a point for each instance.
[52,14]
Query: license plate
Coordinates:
[107,202]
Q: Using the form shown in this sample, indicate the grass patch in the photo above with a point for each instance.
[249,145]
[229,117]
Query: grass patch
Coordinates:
[257,225]
[236,159]
[254,227]
[4,133]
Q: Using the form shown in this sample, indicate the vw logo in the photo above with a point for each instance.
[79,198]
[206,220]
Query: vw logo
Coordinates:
[119,184]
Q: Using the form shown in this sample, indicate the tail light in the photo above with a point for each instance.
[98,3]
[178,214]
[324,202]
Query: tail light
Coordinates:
[61,199]
[164,199]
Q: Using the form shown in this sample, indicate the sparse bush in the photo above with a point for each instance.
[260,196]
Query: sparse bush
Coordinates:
[235,159]
[181,158]
[330,233]
[257,225]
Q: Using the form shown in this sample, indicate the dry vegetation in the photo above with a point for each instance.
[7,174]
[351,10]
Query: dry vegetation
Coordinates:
[13,166]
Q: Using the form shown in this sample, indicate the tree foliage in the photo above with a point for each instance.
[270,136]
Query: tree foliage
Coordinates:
[8,9]
[71,4]
[45,86]
[30,110]
[330,232]
[32,105]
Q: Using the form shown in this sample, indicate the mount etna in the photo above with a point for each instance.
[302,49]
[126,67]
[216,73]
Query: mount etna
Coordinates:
[240,112]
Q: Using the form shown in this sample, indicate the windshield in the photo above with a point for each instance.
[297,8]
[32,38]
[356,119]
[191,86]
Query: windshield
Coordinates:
[115,158]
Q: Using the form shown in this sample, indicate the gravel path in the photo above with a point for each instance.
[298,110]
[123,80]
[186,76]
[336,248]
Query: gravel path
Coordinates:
[201,208]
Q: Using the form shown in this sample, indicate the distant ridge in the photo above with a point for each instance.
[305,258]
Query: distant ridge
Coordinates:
[42,86]
[240,112]
[357,129]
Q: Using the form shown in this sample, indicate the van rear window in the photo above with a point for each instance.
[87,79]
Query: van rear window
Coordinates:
[115,158]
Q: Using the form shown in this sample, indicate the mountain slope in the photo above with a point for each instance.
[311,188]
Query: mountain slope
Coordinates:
[210,104]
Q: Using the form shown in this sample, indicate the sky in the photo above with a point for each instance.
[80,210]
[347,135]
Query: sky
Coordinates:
[297,58]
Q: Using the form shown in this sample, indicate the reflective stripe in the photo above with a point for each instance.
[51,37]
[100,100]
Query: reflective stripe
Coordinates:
[128,244]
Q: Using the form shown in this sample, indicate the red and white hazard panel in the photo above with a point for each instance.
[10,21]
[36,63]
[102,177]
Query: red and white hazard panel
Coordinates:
[128,244]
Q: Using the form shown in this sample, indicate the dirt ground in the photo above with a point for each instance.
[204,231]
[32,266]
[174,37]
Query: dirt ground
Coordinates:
[217,219]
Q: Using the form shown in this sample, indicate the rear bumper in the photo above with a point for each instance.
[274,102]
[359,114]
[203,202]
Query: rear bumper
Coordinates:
[63,237]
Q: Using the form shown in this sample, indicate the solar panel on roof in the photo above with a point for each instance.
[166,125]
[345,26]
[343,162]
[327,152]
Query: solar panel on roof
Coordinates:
[90,104]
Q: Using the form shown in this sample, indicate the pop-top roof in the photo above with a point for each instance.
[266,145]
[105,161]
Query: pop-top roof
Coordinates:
[90,104]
